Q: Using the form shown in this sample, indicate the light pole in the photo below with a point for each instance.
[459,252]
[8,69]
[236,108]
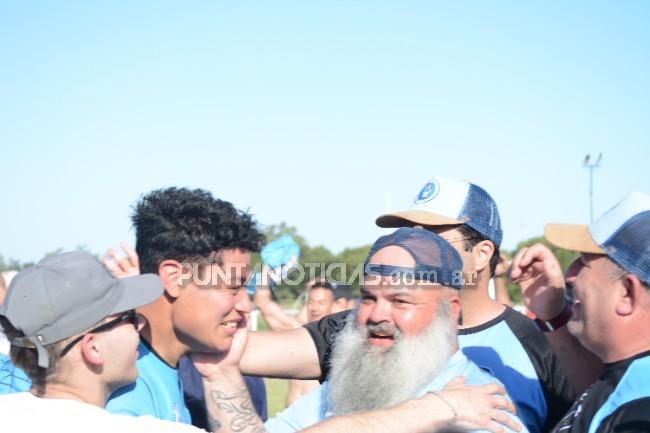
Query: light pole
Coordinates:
[591,167]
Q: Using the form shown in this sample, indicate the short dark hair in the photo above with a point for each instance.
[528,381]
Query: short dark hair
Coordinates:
[189,226]
[322,284]
[473,238]
[27,359]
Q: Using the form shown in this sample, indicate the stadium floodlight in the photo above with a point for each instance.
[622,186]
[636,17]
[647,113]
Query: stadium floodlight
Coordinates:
[591,166]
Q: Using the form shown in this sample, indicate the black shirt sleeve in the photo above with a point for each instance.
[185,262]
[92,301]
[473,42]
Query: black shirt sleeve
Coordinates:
[557,390]
[323,332]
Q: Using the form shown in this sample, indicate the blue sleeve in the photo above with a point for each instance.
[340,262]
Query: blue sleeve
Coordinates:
[304,412]
[459,365]
[12,378]
[475,376]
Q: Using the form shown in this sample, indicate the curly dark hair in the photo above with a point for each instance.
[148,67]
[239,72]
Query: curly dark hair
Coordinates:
[189,226]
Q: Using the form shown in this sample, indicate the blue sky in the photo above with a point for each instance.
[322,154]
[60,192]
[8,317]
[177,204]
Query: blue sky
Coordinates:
[323,115]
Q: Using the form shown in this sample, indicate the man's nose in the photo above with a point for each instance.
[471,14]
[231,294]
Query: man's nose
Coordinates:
[243,304]
[380,311]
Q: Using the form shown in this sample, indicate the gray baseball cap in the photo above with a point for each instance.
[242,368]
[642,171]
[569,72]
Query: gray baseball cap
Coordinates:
[66,294]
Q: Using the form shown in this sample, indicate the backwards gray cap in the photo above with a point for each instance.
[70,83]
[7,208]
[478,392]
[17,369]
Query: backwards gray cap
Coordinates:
[65,294]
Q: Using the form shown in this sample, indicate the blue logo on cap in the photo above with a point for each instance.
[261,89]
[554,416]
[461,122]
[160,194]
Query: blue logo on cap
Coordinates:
[428,192]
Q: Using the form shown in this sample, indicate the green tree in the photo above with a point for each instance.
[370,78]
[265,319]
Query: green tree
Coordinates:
[354,259]
[316,261]
[565,257]
[16,265]
[13,264]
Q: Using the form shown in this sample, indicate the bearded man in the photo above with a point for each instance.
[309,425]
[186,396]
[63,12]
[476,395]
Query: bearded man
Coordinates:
[400,343]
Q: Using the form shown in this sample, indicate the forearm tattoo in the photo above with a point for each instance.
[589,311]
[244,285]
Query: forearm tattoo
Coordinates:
[238,409]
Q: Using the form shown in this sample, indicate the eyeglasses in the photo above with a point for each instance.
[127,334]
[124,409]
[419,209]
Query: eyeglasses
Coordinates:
[129,316]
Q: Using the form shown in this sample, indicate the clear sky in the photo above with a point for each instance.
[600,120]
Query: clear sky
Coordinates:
[323,115]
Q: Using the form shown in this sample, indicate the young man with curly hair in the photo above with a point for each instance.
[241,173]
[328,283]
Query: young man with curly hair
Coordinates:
[200,248]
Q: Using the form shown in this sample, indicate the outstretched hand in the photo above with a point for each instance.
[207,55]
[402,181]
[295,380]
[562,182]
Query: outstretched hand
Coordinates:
[120,265]
[479,407]
[539,274]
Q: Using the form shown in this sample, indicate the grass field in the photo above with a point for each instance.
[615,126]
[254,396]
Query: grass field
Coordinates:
[276,389]
[276,395]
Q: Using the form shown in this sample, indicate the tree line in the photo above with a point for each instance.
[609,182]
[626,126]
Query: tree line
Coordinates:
[339,267]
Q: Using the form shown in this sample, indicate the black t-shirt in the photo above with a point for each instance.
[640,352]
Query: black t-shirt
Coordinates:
[631,417]
[323,332]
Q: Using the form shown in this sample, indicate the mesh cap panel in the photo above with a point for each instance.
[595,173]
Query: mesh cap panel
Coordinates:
[435,259]
[629,246]
[480,213]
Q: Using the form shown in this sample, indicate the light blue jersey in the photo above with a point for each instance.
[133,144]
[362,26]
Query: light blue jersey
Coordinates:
[158,391]
[312,407]
[12,378]
[517,353]
[500,352]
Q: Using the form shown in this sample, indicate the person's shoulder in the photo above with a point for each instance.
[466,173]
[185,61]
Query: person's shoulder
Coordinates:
[629,403]
[631,417]
[21,406]
[474,374]
[521,324]
[330,323]
[508,325]
[17,398]
[493,325]
[147,424]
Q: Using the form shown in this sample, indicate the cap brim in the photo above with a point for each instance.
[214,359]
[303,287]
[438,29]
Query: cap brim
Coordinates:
[137,291]
[401,219]
[573,237]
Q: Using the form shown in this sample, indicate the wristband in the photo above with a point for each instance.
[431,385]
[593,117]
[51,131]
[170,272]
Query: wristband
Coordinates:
[557,322]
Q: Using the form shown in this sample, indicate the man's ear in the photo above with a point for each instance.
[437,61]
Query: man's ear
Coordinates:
[174,276]
[632,295]
[483,252]
[454,306]
[91,349]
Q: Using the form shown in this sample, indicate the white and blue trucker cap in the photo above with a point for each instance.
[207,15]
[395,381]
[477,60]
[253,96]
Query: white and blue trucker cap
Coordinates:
[443,201]
[65,294]
[623,233]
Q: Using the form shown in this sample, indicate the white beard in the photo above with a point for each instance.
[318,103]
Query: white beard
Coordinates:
[366,377]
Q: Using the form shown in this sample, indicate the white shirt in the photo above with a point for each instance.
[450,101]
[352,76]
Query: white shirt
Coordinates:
[27,413]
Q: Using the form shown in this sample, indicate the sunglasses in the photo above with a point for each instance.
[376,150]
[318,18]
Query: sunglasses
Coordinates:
[129,316]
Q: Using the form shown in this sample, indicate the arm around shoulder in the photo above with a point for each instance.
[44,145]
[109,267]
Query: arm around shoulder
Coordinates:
[285,354]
